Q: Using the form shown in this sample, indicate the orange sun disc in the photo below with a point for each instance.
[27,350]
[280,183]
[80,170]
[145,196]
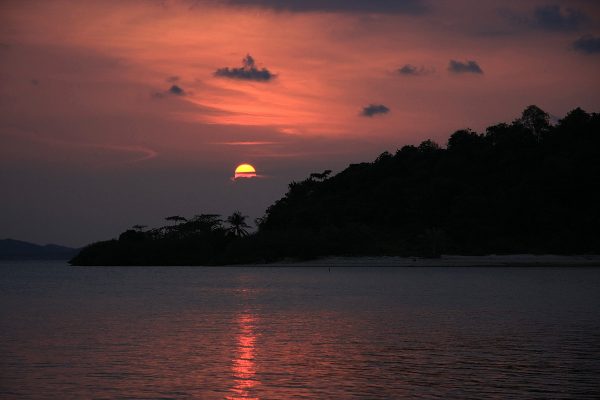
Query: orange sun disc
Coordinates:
[245,171]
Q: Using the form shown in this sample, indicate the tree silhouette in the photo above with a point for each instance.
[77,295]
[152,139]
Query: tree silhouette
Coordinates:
[434,238]
[429,146]
[176,218]
[536,120]
[463,139]
[139,228]
[259,221]
[320,176]
[206,222]
[237,224]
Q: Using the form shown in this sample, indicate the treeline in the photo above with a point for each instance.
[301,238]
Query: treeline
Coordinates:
[524,187]
[201,240]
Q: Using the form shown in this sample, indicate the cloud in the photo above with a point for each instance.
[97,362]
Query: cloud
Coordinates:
[469,67]
[144,153]
[411,70]
[173,90]
[247,143]
[374,109]
[587,44]
[349,6]
[554,18]
[172,79]
[546,17]
[248,72]
[176,90]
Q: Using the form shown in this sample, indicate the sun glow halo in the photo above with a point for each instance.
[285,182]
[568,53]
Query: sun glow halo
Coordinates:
[245,171]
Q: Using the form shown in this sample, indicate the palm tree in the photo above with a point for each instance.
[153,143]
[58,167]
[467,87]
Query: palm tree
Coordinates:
[237,224]
[206,222]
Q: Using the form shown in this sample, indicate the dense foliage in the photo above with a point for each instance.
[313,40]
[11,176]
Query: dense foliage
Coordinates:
[528,186]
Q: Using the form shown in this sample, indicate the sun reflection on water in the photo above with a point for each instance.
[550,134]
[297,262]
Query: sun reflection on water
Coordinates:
[244,366]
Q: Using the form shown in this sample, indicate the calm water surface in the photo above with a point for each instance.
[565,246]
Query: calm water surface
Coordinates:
[274,333]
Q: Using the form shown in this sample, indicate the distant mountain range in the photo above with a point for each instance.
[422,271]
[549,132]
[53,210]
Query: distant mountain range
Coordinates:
[18,250]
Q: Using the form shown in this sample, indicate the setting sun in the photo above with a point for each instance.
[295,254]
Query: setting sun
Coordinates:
[245,171]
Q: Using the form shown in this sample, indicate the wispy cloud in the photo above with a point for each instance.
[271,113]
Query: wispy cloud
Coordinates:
[247,143]
[144,152]
[138,153]
[349,6]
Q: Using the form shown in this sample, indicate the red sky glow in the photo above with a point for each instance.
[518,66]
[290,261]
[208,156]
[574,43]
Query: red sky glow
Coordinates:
[113,113]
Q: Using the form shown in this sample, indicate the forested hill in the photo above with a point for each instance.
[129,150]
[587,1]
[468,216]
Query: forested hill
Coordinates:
[528,186]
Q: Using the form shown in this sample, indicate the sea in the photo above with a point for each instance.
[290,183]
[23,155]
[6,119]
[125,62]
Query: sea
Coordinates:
[298,332]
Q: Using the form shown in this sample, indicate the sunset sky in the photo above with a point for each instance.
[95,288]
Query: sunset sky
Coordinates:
[115,113]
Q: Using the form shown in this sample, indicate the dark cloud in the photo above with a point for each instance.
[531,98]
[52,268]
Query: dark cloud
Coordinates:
[411,70]
[554,18]
[35,82]
[587,44]
[353,6]
[469,67]
[547,17]
[374,109]
[248,72]
[172,79]
[176,90]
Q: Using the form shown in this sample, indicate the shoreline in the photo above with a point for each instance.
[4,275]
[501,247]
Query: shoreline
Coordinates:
[512,260]
[492,260]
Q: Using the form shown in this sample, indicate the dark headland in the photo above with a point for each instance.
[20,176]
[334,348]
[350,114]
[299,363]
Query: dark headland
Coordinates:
[526,187]
[11,249]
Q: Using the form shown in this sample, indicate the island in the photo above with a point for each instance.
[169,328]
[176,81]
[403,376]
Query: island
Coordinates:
[529,186]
